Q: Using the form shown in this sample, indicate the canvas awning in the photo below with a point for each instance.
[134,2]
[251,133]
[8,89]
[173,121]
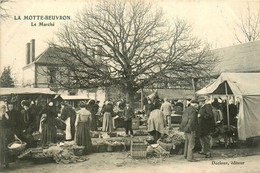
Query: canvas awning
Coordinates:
[74,97]
[8,91]
[238,84]
[244,86]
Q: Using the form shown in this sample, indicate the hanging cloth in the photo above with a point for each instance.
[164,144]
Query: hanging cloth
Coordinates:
[67,130]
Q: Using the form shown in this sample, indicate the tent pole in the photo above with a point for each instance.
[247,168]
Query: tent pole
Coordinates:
[227,106]
[142,98]
[227,112]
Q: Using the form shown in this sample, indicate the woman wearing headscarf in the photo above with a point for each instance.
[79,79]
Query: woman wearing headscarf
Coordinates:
[156,122]
[48,124]
[82,125]
[5,130]
[107,117]
[25,125]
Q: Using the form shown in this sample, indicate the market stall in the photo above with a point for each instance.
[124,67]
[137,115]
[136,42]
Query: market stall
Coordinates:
[174,94]
[18,94]
[74,100]
[245,87]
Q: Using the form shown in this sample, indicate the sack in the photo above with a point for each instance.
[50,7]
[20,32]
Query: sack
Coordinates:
[60,124]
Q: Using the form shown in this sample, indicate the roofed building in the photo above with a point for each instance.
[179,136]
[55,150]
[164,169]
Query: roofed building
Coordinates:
[236,59]
[42,72]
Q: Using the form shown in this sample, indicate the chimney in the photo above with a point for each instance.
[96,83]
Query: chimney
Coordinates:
[28,53]
[32,51]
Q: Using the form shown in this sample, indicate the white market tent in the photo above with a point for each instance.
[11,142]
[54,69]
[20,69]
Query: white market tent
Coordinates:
[74,97]
[246,87]
[7,91]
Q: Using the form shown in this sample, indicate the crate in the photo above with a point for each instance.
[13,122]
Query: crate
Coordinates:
[160,150]
[138,150]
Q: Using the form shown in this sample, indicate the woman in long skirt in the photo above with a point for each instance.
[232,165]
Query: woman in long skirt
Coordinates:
[82,124]
[5,131]
[49,130]
[107,117]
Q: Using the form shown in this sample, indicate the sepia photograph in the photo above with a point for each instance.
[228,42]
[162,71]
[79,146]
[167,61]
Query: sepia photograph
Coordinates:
[130,86]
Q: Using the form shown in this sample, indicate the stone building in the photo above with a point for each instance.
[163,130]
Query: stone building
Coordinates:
[41,72]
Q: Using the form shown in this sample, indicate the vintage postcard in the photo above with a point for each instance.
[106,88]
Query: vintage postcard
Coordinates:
[129,86]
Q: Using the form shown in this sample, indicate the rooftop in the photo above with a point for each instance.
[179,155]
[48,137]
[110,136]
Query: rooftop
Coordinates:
[239,58]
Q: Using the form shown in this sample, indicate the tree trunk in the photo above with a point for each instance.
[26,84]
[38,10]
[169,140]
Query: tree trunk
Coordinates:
[130,96]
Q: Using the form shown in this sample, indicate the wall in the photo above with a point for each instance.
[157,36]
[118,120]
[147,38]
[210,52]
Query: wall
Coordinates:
[29,76]
[42,78]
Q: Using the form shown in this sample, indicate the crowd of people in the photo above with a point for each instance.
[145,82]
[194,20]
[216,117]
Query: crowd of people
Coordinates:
[47,119]
[32,118]
[199,119]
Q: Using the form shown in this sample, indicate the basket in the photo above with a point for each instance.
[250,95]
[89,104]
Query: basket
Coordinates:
[18,150]
[78,151]
[138,150]
[118,147]
[42,160]
[112,134]
[165,146]
[101,147]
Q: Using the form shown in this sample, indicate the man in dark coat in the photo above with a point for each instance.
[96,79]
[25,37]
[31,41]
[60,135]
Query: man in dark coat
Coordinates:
[232,113]
[12,113]
[91,108]
[128,114]
[38,111]
[206,126]
[189,125]
[68,114]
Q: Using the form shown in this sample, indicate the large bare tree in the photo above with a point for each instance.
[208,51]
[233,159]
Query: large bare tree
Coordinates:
[130,44]
[248,26]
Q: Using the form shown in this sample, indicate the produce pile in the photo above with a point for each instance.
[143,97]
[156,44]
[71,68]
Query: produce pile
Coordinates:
[174,138]
[65,153]
[60,154]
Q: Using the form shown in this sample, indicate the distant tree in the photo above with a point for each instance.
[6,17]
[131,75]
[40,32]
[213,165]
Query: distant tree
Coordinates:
[6,81]
[128,44]
[248,27]
[3,9]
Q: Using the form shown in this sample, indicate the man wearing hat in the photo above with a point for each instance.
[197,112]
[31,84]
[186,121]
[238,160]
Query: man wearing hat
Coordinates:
[189,125]
[128,114]
[206,126]
[166,108]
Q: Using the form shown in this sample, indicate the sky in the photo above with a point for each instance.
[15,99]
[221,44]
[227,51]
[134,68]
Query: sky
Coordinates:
[212,21]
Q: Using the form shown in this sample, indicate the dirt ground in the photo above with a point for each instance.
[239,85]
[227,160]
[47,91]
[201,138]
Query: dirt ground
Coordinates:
[116,162]
[122,162]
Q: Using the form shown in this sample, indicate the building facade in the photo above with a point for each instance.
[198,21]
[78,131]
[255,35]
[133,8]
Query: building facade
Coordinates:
[41,72]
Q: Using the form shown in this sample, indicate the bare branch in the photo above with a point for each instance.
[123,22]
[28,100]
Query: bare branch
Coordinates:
[128,44]
[248,28]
